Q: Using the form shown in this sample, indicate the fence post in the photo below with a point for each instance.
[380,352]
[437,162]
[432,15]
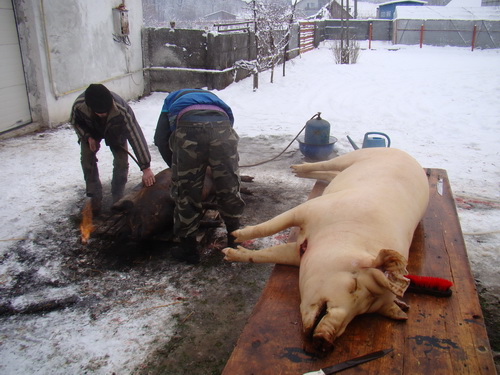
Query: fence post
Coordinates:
[370,33]
[474,33]
[421,35]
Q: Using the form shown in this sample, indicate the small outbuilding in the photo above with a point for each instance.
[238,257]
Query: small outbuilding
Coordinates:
[386,10]
[220,15]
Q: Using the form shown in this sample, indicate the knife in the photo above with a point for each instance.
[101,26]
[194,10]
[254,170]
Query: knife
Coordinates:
[350,363]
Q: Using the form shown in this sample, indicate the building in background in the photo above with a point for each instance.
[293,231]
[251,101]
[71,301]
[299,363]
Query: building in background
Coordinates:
[386,10]
[220,16]
[191,13]
[307,8]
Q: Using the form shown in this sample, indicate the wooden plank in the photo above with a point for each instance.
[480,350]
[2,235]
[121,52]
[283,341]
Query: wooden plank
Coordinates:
[442,335]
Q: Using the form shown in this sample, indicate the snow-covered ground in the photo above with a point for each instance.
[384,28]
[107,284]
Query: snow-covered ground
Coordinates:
[440,104]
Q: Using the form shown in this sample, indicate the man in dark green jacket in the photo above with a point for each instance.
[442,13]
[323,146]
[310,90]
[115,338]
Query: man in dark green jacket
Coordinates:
[99,114]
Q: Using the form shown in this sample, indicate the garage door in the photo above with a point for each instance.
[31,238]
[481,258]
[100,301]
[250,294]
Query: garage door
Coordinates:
[14,106]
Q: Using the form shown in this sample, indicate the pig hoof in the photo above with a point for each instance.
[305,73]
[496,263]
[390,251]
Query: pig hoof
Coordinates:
[229,254]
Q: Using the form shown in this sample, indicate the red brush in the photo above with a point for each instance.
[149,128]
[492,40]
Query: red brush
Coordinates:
[433,286]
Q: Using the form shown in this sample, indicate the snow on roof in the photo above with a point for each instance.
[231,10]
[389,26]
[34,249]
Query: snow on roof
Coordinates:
[464,3]
[220,12]
[403,1]
[447,13]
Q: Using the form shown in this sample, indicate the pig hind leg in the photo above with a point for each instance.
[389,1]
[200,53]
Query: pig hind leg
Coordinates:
[283,221]
[318,175]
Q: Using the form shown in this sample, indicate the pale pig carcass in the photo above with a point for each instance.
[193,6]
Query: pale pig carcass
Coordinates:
[354,239]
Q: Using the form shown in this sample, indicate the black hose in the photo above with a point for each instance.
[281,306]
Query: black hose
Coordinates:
[282,152]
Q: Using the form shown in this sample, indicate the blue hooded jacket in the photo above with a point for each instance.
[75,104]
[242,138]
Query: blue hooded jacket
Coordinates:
[176,101]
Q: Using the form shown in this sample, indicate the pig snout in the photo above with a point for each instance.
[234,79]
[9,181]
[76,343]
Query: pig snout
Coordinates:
[147,221]
[322,325]
[328,305]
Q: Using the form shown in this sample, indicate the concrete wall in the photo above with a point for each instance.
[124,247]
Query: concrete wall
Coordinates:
[179,58]
[66,45]
[448,32]
[293,50]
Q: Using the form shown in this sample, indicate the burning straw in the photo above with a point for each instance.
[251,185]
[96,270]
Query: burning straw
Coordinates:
[86,226]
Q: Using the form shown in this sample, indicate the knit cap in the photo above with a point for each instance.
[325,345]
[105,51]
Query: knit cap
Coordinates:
[98,98]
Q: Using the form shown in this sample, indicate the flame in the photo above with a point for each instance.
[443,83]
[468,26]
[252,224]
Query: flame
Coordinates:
[86,226]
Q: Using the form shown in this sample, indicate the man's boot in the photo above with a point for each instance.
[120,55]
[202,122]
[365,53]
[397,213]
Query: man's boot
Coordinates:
[96,204]
[186,251]
[232,224]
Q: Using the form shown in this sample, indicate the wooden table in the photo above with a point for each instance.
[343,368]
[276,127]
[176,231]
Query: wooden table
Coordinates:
[441,336]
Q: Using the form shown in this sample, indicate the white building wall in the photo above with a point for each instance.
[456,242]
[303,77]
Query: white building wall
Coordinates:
[14,107]
[67,45]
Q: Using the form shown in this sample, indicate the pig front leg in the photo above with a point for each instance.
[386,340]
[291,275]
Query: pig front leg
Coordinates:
[315,171]
[330,168]
[281,254]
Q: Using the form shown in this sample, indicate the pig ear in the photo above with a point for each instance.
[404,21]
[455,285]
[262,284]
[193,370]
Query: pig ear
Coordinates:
[393,266]
[122,206]
[393,310]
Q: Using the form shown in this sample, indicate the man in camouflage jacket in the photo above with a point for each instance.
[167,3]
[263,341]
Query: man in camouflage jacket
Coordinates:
[194,132]
[99,114]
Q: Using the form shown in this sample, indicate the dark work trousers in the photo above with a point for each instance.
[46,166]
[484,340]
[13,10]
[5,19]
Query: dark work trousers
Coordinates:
[91,171]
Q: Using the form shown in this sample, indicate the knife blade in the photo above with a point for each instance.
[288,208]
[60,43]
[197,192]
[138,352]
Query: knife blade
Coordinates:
[350,363]
[439,186]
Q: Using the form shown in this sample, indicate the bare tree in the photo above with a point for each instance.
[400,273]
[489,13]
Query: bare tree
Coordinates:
[346,51]
[272,22]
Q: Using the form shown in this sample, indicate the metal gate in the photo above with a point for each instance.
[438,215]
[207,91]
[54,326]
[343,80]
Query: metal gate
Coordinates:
[14,106]
[306,36]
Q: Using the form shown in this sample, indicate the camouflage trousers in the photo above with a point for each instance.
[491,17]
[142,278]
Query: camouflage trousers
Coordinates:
[196,146]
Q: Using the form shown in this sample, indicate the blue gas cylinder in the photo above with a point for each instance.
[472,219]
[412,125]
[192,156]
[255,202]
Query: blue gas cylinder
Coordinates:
[317,131]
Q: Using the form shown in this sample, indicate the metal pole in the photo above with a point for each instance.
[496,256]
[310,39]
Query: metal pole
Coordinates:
[474,33]
[370,33]
[348,52]
[341,30]
[421,35]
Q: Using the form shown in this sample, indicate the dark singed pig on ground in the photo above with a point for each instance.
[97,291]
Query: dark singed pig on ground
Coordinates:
[354,239]
[149,211]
